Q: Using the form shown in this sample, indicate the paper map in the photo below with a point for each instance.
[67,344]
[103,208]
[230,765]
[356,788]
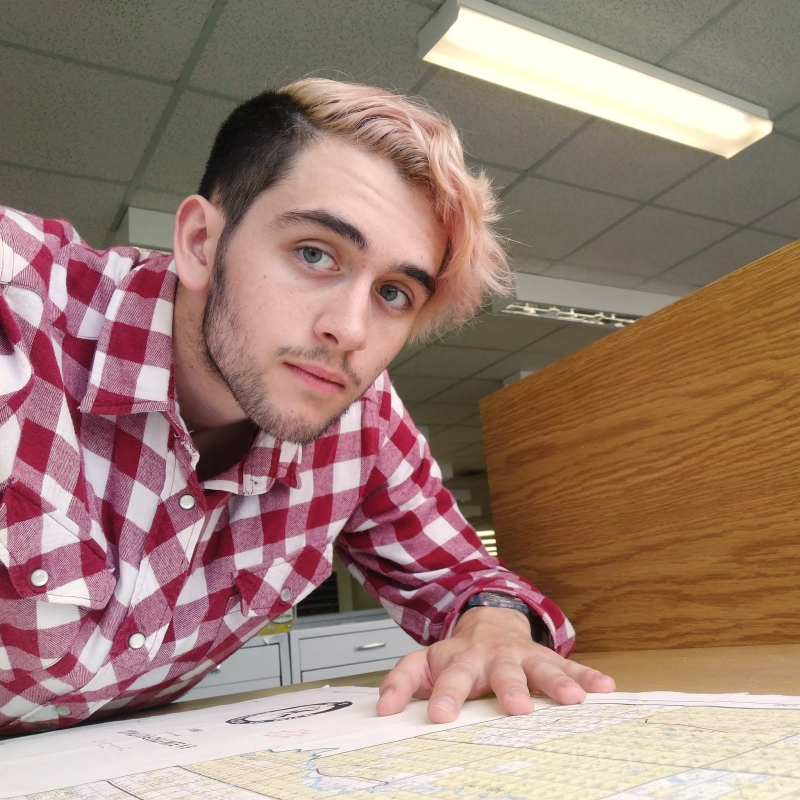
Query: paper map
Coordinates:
[328,743]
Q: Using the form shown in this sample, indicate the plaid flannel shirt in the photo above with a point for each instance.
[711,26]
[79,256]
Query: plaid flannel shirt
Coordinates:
[123,578]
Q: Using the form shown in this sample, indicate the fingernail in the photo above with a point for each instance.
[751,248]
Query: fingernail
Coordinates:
[445,703]
[386,692]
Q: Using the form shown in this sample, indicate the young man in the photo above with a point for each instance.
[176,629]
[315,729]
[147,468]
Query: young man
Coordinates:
[185,441]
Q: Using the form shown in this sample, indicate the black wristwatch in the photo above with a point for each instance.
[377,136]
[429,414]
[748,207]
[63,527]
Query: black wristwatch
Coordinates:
[539,632]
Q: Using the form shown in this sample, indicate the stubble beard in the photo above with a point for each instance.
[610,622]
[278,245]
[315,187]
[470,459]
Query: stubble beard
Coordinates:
[227,350]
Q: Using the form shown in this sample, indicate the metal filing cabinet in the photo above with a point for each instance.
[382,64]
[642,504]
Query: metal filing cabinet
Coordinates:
[337,645]
[262,663]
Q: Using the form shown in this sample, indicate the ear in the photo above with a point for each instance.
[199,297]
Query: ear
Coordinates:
[198,225]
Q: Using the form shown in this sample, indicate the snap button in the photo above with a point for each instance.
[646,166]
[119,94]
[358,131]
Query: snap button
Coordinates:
[136,641]
[286,595]
[186,502]
[63,711]
[39,577]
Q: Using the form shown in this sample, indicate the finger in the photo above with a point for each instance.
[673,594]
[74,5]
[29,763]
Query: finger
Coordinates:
[409,677]
[509,682]
[452,687]
[551,679]
[591,680]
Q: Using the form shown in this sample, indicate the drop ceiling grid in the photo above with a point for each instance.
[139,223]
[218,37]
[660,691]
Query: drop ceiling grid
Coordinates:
[176,164]
[601,193]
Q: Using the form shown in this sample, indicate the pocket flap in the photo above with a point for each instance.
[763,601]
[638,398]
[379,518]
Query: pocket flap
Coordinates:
[269,590]
[49,555]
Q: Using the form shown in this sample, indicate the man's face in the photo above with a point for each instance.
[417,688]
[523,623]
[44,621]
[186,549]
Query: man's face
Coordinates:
[318,288]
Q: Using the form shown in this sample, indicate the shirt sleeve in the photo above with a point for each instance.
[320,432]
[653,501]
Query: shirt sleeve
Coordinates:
[410,547]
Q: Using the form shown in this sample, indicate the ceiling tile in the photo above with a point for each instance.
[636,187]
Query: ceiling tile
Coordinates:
[442,413]
[257,46]
[789,123]
[446,451]
[517,362]
[148,36]
[179,159]
[407,352]
[474,450]
[550,220]
[649,241]
[750,53]
[468,391]
[154,200]
[570,272]
[621,160]
[530,127]
[448,362]
[531,266]
[646,30]
[785,220]
[570,338]
[75,119]
[729,255]
[89,205]
[501,332]
[745,187]
[414,389]
[659,286]
[499,176]
[458,434]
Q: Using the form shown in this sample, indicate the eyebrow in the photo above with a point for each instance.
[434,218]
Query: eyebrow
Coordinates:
[418,275]
[352,234]
[324,219]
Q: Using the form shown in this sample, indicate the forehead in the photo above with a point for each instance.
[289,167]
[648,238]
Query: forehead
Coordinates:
[369,192]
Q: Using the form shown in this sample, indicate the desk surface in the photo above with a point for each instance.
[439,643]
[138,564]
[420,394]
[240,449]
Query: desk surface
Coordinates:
[760,669]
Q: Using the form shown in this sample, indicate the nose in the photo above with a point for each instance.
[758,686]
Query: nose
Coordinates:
[344,321]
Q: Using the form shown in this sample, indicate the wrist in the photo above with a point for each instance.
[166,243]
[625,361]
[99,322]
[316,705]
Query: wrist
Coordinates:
[508,620]
[534,625]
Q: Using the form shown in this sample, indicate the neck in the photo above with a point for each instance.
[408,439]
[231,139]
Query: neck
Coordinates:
[204,399]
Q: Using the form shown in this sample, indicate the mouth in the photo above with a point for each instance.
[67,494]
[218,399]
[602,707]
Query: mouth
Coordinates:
[317,377]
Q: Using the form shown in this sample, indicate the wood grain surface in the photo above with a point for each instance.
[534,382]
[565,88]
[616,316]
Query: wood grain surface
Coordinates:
[650,483]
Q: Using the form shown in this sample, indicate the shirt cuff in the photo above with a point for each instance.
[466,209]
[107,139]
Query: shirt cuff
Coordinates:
[549,627]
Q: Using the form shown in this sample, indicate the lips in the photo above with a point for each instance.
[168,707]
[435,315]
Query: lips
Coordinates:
[317,377]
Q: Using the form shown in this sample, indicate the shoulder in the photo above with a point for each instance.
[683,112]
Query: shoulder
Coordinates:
[73,281]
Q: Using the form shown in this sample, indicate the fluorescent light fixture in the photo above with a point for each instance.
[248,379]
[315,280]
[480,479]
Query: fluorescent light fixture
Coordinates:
[573,301]
[500,46]
[489,541]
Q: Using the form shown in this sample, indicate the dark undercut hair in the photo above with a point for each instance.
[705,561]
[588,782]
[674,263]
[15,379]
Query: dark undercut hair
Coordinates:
[254,150]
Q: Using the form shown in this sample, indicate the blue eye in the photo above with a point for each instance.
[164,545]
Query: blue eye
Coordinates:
[312,254]
[391,294]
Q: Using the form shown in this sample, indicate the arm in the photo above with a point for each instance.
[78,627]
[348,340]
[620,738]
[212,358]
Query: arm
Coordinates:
[410,546]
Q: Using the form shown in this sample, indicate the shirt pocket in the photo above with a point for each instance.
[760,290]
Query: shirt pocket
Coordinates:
[270,589]
[262,592]
[54,579]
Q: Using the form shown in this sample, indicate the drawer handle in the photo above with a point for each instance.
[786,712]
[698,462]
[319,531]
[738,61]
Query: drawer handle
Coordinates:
[371,646]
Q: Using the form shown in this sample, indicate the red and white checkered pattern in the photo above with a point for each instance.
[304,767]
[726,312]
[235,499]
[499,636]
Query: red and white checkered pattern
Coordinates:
[95,461]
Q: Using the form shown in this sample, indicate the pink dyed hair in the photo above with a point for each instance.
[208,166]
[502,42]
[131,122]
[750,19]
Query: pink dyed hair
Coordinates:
[427,151]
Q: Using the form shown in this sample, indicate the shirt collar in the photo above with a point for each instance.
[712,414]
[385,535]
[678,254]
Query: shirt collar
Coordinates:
[268,460]
[132,367]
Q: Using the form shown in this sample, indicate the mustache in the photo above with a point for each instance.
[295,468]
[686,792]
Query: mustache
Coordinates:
[322,355]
